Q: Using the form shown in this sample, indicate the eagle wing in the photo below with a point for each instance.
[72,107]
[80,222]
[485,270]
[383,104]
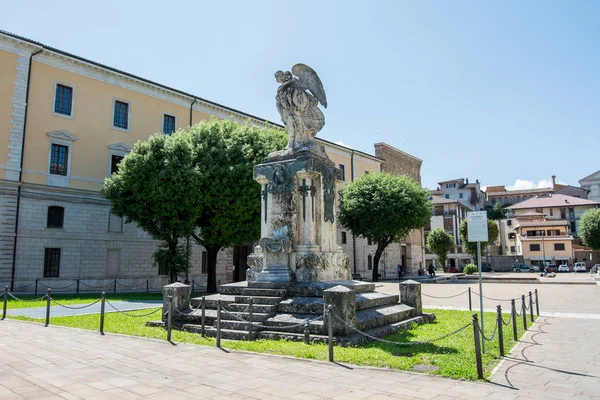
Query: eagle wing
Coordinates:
[310,80]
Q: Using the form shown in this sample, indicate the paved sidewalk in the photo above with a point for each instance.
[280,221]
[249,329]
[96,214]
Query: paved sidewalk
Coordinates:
[75,309]
[63,363]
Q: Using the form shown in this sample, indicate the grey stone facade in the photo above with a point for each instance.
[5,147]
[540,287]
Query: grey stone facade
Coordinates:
[91,249]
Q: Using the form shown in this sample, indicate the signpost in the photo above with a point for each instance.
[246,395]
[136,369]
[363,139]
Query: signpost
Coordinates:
[478,232]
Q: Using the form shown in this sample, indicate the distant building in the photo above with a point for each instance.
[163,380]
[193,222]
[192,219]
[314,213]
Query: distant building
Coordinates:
[448,214]
[592,183]
[468,194]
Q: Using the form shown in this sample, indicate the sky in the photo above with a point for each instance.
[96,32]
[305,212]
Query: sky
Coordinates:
[504,92]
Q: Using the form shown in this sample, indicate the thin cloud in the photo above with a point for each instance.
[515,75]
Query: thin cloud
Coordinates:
[342,143]
[523,184]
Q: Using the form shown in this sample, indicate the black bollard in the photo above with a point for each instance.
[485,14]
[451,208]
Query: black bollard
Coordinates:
[330,331]
[470,303]
[102,301]
[203,316]
[306,332]
[5,302]
[523,312]
[250,318]
[77,286]
[537,303]
[477,347]
[513,311]
[219,323]
[48,299]
[500,333]
[169,318]
[36,283]
[531,306]
[115,287]
[147,286]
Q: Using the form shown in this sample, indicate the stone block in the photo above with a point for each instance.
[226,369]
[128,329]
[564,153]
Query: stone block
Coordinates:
[180,294]
[343,301]
[410,294]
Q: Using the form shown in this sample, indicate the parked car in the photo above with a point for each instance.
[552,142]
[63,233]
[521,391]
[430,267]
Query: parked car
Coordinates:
[563,268]
[596,268]
[579,267]
[525,268]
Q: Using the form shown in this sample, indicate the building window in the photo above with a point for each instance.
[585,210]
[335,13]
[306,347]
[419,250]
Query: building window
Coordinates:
[59,159]
[369,242]
[534,247]
[169,125]
[163,269]
[512,249]
[51,263]
[539,210]
[56,217]
[205,262]
[63,100]
[460,195]
[447,196]
[573,228]
[343,237]
[370,262]
[367,172]
[551,212]
[512,235]
[343,168]
[115,160]
[559,246]
[121,115]
[115,223]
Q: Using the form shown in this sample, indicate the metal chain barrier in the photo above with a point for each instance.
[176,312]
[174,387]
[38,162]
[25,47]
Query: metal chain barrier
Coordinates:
[60,288]
[281,328]
[130,315]
[493,333]
[96,287]
[23,287]
[491,298]
[74,307]
[509,320]
[445,297]
[456,331]
[130,287]
[231,313]
[26,301]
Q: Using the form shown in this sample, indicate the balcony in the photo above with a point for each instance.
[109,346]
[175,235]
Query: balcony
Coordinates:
[443,213]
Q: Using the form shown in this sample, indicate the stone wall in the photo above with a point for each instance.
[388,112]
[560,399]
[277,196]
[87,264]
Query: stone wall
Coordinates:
[502,263]
[398,162]
[90,249]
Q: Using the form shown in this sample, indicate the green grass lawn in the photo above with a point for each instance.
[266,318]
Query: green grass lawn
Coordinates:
[452,357]
[69,299]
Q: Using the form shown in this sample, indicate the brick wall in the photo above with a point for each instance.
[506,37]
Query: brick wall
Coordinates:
[398,162]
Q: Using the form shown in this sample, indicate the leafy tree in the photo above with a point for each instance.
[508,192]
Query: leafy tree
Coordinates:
[589,229]
[384,208]
[152,188]
[471,247]
[496,211]
[224,154]
[440,243]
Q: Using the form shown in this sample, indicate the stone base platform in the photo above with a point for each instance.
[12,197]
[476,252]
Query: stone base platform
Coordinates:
[290,313]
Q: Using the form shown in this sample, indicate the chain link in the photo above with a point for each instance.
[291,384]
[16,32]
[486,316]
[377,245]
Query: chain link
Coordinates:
[60,288]
[96,287]
[75,307]
[403,343]
[509,320]
[491,298]
[278,328]
[131,287]
[493,333]
[445,297]
[23,287]
[130,315]
[26,301]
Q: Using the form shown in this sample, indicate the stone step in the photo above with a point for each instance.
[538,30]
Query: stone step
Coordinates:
[256,308]
[258,300]
[237,325]
[315,289]
[314,305]
[377,316]
[231,316]
[375,299]
[212,300]
[233,288]
[195,317]
[296,337]
[294,323]
[263,292]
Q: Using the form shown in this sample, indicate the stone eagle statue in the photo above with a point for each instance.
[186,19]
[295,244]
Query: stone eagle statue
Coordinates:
[298,97]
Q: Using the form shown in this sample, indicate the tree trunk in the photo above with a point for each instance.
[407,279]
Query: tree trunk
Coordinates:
[212,252]
[172,255]
[380,248]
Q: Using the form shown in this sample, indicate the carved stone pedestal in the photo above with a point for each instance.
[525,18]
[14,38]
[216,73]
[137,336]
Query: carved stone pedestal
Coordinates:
[298,231]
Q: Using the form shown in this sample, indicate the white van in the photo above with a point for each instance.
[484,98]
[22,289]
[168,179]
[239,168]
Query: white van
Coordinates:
[579,267]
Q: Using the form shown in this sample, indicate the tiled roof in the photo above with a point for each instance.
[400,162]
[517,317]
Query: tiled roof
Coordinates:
[558,222]
[539,238]
[553,200]
[518,192]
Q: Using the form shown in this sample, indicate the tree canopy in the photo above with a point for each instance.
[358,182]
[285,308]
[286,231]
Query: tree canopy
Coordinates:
[471,247]
[197,182]
[440,243]
[589,229]
[152,188]
[496,211]
[383,207]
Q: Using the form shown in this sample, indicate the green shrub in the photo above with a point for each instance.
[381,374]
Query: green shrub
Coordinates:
[470,269]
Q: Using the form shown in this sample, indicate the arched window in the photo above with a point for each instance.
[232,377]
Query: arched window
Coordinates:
[56,216]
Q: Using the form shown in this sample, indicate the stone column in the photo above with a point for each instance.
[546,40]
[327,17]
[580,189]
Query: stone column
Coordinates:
[410,294]
[343,300]
[181,298]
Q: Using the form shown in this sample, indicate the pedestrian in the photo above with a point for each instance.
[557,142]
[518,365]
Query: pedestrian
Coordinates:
[431,271]
[400,273]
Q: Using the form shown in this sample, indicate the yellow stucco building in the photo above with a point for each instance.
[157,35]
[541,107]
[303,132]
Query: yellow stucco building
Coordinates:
[65,124]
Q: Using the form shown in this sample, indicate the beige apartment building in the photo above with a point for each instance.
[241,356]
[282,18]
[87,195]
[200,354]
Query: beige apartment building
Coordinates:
[65,123]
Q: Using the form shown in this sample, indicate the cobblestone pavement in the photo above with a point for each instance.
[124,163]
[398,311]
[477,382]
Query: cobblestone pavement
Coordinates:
[555,361]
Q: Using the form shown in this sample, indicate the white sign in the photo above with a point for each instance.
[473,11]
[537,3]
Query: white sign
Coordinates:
[477,226]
